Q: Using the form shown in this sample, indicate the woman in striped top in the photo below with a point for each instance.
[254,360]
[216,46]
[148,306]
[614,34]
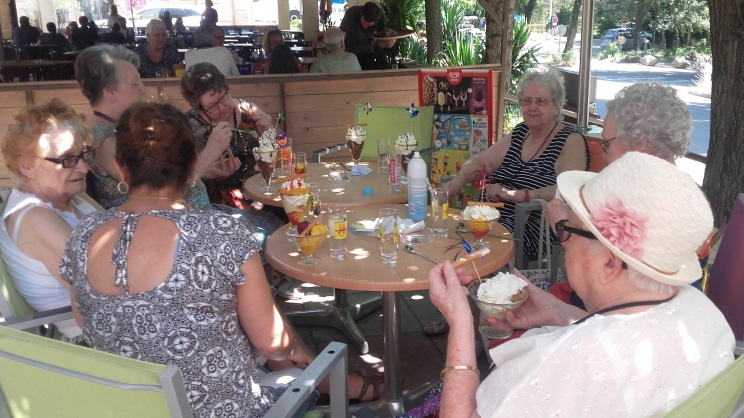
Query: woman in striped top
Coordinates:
[525,163]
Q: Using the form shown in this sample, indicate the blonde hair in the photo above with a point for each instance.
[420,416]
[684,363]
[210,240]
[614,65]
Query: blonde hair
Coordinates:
[21,142]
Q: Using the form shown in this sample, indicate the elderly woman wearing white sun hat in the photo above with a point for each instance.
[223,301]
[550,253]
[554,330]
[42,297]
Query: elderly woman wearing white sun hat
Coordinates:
[647,339]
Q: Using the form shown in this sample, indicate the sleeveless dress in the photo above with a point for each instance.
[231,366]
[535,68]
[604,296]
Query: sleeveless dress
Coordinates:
[189,320]
[535,174]
[34,282]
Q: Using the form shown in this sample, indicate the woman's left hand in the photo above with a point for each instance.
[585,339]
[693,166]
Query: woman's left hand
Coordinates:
[497,193]
[447,291]
[263,121]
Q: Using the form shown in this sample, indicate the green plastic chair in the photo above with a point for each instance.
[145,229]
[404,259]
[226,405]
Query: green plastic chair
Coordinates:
[42,377]
[716,399]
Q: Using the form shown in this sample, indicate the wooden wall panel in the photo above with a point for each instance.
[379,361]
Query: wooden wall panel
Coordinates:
[317,106]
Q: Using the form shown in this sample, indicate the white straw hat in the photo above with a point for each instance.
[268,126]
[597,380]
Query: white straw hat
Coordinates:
[646,211]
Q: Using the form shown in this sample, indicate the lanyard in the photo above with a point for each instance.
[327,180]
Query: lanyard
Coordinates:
[623,306]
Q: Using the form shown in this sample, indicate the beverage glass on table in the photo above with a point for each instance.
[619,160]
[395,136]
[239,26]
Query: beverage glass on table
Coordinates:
[439,211]
[309,244]
[299,160]
[266,162]
[383,154]
[388,232]
[337,225]
[479,229]
[355,137]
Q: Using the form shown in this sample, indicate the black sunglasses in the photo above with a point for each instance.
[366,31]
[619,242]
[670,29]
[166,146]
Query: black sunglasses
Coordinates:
[71,161]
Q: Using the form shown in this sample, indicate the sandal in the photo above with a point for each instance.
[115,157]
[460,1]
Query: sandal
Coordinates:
[375,381]
[438,326]
[288,288]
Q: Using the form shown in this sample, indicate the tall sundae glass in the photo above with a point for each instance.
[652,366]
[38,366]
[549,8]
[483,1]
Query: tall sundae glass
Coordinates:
[355,137]
[265,154]
[478,220]
[295,196]
[405,146]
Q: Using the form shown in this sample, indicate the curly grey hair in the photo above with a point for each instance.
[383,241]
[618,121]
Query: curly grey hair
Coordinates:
[97,67]
[655,112]
[551,80]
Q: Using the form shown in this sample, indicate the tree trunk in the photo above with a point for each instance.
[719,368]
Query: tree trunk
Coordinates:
[494,32]
[434,34]
[528,9]
[573,26]
[639,22]
[724,171]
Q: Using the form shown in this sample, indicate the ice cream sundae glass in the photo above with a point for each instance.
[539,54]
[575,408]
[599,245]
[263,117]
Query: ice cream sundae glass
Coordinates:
[478,220]
[495,297]
[309,244]
[295,196]
[265,154]
[405,146]
[355,137]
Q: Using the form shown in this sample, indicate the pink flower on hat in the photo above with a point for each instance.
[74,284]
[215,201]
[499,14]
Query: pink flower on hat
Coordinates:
[624,228]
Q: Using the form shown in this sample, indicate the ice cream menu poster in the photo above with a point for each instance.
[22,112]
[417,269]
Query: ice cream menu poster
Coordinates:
[463,116]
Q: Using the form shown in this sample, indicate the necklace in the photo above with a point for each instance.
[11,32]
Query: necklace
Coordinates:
[105,117]
[183,202]
[543,143]
[623,306]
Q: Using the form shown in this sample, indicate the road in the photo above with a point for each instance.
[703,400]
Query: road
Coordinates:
[613,76]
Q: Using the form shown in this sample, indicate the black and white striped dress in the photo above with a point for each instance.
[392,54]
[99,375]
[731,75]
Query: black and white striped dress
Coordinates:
[535,174]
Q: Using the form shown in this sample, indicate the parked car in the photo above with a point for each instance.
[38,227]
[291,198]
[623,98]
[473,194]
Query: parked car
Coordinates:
[143,16]
[612,35]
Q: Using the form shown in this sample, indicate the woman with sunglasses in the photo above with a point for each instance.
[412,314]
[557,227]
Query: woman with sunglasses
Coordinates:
[45,149]
[647,339]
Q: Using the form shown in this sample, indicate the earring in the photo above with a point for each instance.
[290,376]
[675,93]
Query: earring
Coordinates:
[123,187]
[191,182]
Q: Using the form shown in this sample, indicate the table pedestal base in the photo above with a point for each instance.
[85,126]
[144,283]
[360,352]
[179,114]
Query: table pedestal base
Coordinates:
[394,408]
[341,316]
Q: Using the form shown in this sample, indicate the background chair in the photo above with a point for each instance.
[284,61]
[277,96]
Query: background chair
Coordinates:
[726,282]
[717,398]
[41,377]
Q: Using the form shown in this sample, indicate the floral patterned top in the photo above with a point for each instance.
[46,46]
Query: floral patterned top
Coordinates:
[149,69]
[189,320]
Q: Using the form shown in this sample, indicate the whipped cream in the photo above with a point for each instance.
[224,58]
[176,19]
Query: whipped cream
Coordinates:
[500,288]
[356,133]
[293,184]
[267,146]
[406,139]
[481,213]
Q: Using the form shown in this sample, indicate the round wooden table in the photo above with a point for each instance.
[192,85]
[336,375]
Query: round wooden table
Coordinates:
[363,270]
[349,194]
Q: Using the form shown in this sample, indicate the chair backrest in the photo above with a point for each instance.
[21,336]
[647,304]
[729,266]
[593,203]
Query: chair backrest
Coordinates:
[715,399]
[726,286]
[42,377]
[596,154]
[12,304]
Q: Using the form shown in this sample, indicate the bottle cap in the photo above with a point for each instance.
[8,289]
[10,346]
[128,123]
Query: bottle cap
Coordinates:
[367,191]
[416,154]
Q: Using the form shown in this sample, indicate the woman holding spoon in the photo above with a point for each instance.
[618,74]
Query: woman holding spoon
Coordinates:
[205,89]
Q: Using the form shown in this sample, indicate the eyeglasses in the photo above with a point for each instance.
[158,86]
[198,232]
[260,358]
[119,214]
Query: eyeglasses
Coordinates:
[540,101]
[213,107]
[563,231]
[605,144]
[69,162]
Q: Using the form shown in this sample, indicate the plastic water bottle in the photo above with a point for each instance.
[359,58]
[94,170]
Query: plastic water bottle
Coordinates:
[418,188]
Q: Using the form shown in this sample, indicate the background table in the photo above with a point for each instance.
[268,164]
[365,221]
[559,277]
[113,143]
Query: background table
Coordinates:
[349,194]
[363,270]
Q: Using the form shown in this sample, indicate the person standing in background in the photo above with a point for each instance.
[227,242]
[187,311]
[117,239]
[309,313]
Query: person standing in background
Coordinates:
[359,23]
[113,16]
